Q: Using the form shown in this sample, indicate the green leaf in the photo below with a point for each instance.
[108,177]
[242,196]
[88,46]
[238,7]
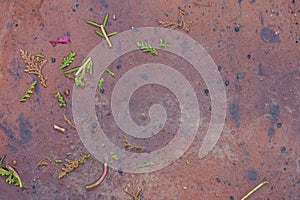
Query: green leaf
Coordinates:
[12,176]
[28,92]
[110,72]
[4,172]
[105,20]
[99,33]
[61,100]
[90,22]
[67,60]
[164,44]
[100,83]
[145,164]
[145,47]
[112,33]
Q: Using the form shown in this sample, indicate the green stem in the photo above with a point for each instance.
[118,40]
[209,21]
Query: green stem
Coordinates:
[71,70]
[105,35]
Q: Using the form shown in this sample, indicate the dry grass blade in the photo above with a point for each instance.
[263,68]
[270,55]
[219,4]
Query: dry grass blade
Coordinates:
[34,65]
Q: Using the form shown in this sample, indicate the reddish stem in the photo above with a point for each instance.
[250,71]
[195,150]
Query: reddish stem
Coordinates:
[101,179]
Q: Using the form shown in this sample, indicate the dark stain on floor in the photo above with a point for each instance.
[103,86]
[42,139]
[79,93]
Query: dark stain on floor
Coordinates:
[235,112]
[24,127]
[274,112]
[268,35]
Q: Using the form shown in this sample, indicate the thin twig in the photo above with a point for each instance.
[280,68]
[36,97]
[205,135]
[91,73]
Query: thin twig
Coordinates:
[69,122]
[100,180]
[254,189]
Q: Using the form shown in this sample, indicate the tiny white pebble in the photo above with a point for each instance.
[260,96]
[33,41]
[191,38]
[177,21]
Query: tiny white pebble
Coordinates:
[185,188]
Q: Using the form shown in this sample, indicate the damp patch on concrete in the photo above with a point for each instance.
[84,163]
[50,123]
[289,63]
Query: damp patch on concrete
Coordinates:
[8,25]
[24,126]
[271,132]
[234,111]
[260,70]
[104,3]
[269,36]
[274,112]
[240,76]
[251,175]
[24,131]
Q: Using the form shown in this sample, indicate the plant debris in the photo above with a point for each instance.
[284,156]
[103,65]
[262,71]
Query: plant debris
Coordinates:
[254,189]
[47,161]
[28,92]
[59,128]
[62,40]
[145,164]
[110,72]
[71,165]
[42,163]
[114,155]
[132,147]
[39,55]
[181,22]
[67,60]
[145,47]
[60,99]
[69,122]
[100,83]
[101,179]
[12,175]
[102,31]
[164,44]
[80,74]
[132,189]
[71,71]
[34,65]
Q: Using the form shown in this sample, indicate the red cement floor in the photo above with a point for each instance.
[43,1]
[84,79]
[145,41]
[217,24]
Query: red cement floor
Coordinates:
[255,43]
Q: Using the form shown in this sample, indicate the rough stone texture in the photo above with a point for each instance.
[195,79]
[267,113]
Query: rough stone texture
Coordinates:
[256,43]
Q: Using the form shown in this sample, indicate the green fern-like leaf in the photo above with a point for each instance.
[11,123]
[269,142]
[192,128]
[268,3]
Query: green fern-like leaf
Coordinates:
[28,92]
[60,100]
[145,47]
[67,60]
[164,44]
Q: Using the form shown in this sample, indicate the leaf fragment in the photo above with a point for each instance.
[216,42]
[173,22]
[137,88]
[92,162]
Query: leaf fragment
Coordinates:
[164,44]
[145,47]
[60,99]
[67,60]
[28,92]
[100,83]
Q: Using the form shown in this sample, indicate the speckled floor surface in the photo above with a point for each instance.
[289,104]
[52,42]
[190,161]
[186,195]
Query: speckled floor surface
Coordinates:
[255,45]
